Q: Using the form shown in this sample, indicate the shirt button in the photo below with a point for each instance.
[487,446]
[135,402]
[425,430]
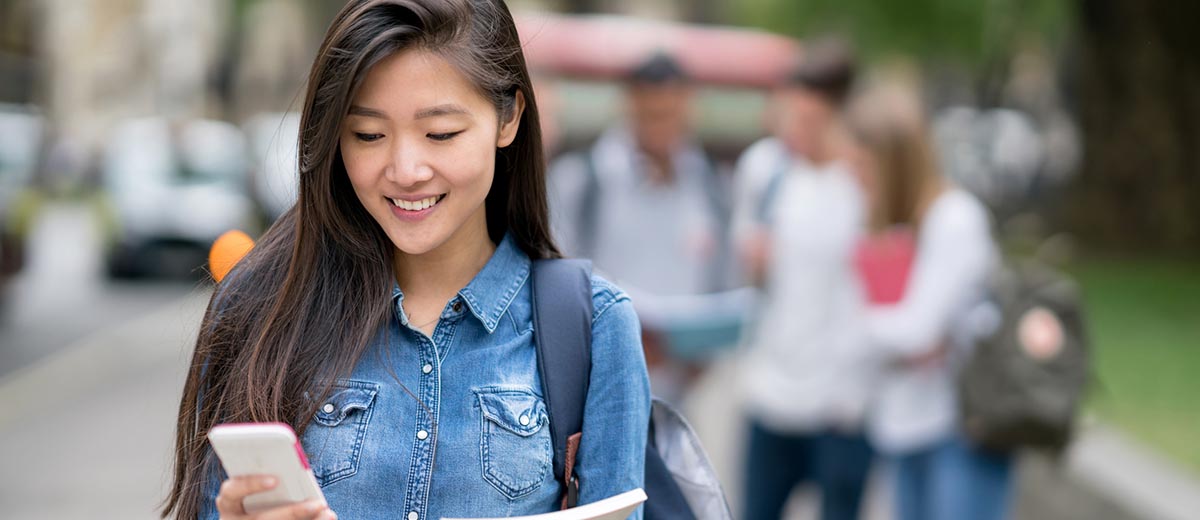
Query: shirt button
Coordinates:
[457,306]
[328,408]
[524,420]
[412,515]
[422,435]
[427,369]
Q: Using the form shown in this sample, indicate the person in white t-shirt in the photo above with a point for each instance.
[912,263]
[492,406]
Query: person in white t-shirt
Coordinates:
[799,213]
[923,338]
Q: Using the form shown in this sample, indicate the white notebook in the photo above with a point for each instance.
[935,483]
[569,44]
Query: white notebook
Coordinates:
[617,507]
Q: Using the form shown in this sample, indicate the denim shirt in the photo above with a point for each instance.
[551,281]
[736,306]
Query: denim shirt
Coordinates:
[472,438]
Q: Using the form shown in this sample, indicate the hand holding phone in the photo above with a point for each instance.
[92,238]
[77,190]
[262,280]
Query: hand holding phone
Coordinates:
[254,454]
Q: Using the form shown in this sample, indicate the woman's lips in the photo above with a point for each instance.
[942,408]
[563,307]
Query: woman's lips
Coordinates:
[415,210]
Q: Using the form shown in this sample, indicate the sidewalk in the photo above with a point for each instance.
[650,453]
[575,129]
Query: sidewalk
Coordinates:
[89,432]
[1112,465]
[1105,475]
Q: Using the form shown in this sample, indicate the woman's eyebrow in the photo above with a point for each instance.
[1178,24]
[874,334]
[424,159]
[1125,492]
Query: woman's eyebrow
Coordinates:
[356,110]
[441,110]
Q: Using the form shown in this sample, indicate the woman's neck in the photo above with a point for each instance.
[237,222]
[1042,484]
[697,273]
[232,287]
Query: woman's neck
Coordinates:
[434,277]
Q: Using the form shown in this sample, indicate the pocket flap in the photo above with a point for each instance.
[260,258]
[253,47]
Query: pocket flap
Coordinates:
[345,397]
[517,411]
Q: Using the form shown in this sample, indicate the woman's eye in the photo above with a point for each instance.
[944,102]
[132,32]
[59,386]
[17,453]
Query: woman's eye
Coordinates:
[367,138]
[443,137]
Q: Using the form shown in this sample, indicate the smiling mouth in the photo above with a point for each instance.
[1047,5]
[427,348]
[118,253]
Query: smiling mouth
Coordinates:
[417,205]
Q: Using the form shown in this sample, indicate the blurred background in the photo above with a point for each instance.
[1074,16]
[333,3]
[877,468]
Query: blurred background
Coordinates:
[134,132]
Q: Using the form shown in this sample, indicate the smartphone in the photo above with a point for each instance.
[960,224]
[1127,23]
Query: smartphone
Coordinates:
[266,449]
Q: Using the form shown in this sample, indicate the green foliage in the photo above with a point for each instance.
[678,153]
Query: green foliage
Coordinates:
[970,31]
[1142,315]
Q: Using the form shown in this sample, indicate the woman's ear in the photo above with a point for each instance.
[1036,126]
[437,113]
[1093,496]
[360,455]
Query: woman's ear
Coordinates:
[508,129]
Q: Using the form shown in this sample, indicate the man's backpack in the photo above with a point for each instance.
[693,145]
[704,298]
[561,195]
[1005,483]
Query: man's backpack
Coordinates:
[680,483]
[1024,382]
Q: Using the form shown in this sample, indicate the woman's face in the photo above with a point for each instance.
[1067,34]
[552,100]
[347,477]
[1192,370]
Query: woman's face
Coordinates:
[419,145]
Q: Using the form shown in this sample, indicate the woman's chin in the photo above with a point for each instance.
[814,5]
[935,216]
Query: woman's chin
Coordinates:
[415,244]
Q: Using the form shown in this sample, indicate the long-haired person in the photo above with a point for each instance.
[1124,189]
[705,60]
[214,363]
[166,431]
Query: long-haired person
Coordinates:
[924,336]
[387,316]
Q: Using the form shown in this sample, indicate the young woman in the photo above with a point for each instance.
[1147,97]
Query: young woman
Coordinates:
[387,316]
[922,338]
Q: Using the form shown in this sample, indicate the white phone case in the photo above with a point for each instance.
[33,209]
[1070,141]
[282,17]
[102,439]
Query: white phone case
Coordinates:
[266,449]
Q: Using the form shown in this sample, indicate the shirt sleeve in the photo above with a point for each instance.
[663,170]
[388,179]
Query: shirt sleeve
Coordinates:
[616,416]
[953,259]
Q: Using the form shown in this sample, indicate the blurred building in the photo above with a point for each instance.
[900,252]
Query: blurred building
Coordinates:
[88,65]
[105,60]
[17,62]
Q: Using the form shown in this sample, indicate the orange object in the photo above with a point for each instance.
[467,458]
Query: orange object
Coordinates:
[226,251]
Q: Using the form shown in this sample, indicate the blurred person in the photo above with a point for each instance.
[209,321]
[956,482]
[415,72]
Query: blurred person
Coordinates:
[799,214]
[924,335]
[644,203]
[386,316]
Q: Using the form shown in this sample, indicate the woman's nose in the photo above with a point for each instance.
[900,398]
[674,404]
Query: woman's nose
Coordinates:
[409,166]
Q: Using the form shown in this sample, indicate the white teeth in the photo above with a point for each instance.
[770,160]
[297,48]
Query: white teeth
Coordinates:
[417,205]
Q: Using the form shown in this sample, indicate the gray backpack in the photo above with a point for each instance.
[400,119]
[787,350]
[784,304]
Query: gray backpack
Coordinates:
[1025,380]
[679,480]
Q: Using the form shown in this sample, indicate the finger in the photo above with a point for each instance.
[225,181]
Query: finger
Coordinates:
[307,510]
[234,490]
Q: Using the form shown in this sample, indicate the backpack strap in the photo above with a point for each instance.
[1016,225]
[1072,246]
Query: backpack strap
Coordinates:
[562,331]
[714,190]
[770,193]
[719,209]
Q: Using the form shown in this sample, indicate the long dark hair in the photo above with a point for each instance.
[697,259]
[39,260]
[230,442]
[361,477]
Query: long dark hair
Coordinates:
[300,309]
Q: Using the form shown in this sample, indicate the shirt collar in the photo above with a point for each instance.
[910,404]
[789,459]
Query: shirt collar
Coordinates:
[492,290]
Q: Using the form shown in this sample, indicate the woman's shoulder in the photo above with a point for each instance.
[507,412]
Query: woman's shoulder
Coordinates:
[616,330]
[605,295]
[253,280]
[957,218]
[957,208]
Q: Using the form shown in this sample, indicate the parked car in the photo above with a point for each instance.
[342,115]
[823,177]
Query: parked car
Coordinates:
[274,149]
[171,188]
[23,129]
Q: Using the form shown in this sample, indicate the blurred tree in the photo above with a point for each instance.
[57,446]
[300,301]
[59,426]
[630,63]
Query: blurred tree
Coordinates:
[1133,68]
[980,35]
[18,61]
[584,6]
[1139,106]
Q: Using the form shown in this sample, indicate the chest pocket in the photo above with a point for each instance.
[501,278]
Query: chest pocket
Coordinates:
[515,442]
[334,438]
